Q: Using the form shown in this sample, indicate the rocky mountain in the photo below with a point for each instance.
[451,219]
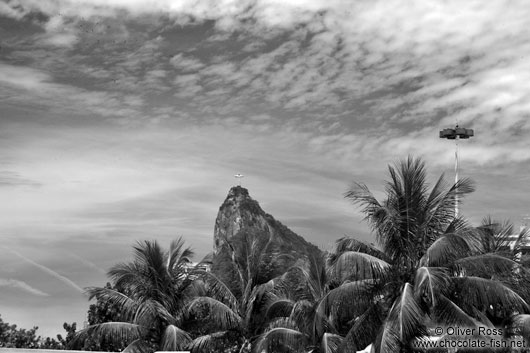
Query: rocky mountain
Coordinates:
[241,218]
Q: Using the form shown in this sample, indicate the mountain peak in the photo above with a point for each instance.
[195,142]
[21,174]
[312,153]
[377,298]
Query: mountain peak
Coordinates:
[241,216]
[238,190]
[237,212]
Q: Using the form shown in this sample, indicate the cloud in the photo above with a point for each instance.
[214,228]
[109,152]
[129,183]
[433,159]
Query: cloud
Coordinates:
[419,63]
[11,11]
[23,77]
[37,88]
[59,33]
[13,283]
[185,64]
[61,39]
[49,271]
[332,62]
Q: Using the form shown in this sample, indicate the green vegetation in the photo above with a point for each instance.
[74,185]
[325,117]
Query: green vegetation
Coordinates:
[430,269]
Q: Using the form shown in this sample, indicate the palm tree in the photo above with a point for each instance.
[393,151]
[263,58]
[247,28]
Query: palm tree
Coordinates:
[150,292]
[500,237]
[230,302]
[295,309]
[430,273]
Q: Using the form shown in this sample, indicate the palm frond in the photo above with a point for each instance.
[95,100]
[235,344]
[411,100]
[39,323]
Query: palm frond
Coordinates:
[330,342]
[150,256]
[303,314]
[407,314]
[137,346]
[300,283]
[364,329]
[174,339]
[282,322]
[194,288]
[441,202]
[234,262]
[359,194]
[206,343]
[404,321]
[280,308]
[115,332]
[446,249]
[131,276]
[148,252]
[518,325]
[349,298]
[256,299]
[354,265]
[128,306]
[481,293]
[149,312]
[495,235]
[487,265]
[447,312]
[435,201]
[257,255]
[218,312]
[178,257]
[351,244]
[290,339]
[217,289]
[317,276]
[248,298]
[429,282]
[322,323]
[482,318]
[387,340]
[523,235]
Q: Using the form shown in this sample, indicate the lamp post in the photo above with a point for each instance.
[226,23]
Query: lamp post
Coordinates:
[456,134]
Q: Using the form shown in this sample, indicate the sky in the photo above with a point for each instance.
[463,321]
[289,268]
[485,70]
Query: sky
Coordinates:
[126,120]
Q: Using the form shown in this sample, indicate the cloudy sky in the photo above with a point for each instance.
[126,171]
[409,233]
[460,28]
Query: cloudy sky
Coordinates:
[123,120]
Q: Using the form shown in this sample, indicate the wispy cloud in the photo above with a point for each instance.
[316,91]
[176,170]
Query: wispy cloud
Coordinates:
[48,270]
[13,283]
[35,87]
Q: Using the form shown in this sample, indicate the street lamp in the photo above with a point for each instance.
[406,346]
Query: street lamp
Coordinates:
[456,134]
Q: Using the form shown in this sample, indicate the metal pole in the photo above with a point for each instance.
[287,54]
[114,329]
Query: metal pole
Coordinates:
[456,176]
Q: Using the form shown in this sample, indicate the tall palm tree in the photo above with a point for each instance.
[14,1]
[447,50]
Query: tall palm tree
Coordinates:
[411,217]
[431,263]
[151,292]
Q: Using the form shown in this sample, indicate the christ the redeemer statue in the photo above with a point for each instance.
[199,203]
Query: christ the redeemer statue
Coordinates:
[239,176]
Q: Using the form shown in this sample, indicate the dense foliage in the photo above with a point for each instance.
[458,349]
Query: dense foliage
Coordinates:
[13,337]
